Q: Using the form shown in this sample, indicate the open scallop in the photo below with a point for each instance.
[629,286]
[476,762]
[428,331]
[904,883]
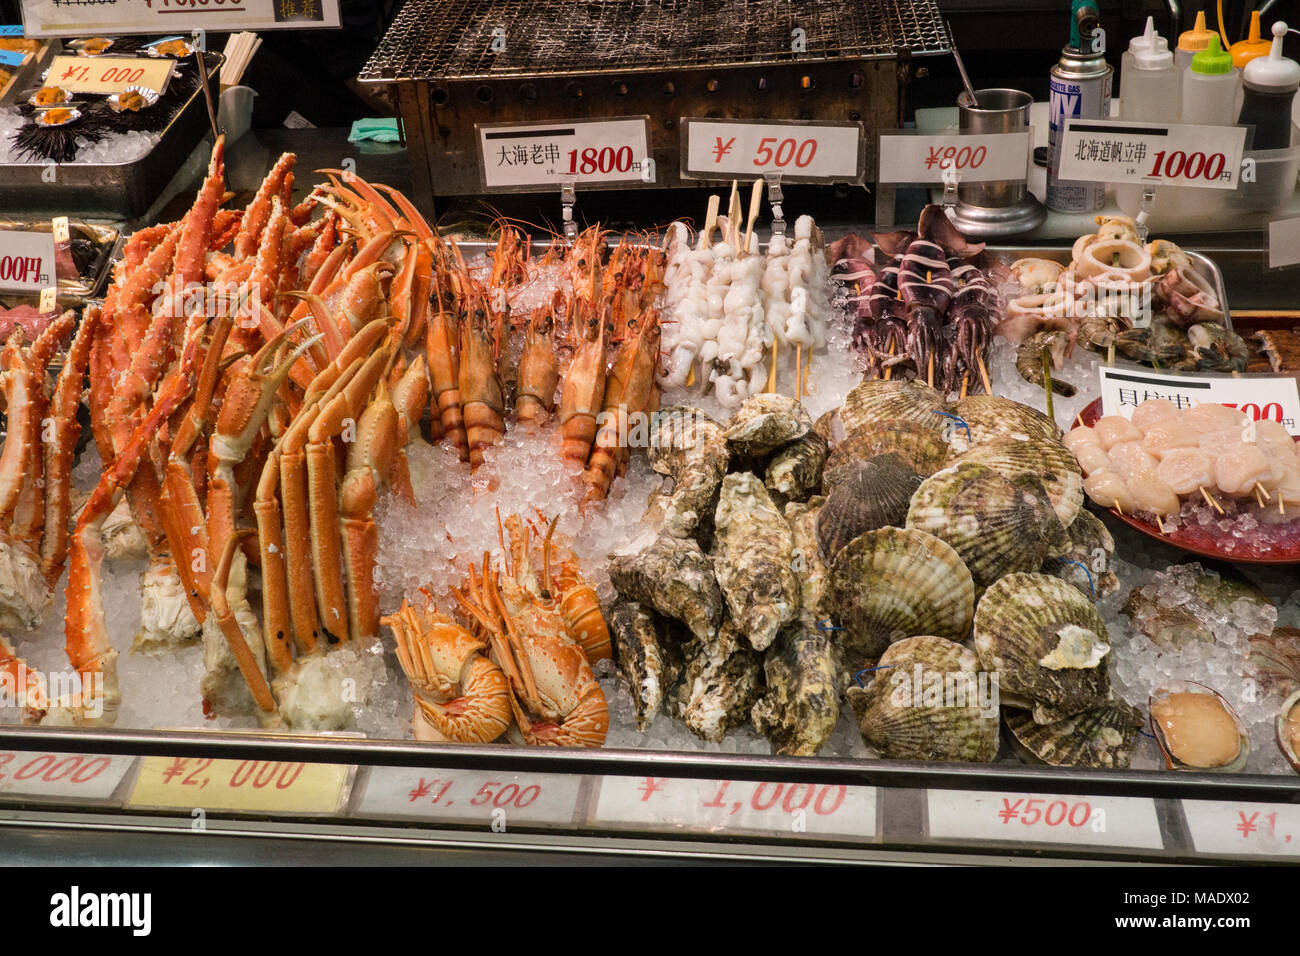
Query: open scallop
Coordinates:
[1288,730]
[1197,729]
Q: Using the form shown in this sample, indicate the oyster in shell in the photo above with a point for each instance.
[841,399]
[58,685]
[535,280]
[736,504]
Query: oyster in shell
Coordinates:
[1087,565]
[795,472]
[721,682]
[925,704]
[674,577]
[802,703]
[1288,730]
[989,416]
[920,448]
[867,495]
[830,427]
[809,568]
[1197,729]
[880,401]
[1053,464]
[690,448]
[1103,738]
[1048,644]
[765,422]
[998,525]
[648,658]
[753,558]
[892,583]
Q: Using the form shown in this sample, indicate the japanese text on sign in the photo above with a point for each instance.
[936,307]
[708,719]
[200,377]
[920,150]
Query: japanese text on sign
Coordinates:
[567,151]
[1114,151]
[799,151]
[1043,818]
[85,74]
[906,157]
[489,799]
[1258,396]
[1243,829]
[50,18]
[84,776]
[264,786]
[26,261]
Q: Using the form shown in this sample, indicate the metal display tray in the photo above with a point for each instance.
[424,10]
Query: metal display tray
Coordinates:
[111,190]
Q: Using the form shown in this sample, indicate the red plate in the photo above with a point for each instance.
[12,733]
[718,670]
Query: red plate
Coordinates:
[1207,541]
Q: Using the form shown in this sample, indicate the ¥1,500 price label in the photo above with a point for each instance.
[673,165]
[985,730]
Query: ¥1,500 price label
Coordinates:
[1043,818]
[721,806]
[109,74]
[85,776]
[547,155]
[486,799]
[1243,829]
[262,786]
[907,157]
[799,151]
[1115,151]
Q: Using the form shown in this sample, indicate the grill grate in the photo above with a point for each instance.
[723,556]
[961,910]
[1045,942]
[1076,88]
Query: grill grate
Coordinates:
[453,39]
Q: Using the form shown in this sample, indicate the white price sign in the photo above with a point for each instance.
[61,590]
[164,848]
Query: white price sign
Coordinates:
[1043,818]
[84,776]
[800,151]
[514,156]
[26,261]
[1284,243]
[59,18]
[1243,829]
[906,157]
[1116,151]
[1259,396]
[721,806]
[462,796]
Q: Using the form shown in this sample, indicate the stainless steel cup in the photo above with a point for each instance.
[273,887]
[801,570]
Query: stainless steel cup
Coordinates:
[1001,207]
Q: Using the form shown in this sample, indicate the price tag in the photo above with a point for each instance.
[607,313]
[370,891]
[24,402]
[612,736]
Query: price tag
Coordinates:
[724,806]
[258,786]
[26,261]
[1284,243]
[109,74]
[1259,396]
[54,18]
[801,151]
[1116,151]
[59,228]
[12,58]
[1043,818]
[515,156]
[485,799]
[907,157]
[1243,829]
[49,300]
[85,776]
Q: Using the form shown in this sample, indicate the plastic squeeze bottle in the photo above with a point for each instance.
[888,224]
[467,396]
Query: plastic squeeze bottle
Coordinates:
[1150,86]
[1210,88]
[1193,41]
[1270,84]
[1243,51]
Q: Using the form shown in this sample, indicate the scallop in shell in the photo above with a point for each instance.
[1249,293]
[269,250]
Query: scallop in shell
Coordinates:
[1087,565]
[867,495]
[879,401]
[921,449]
[998,525]
[765,422]
[926,703]
[1288,730]
[894,583]
[1197,729]
[1053,464]
[1102,738]
[1048,644]
[990,416]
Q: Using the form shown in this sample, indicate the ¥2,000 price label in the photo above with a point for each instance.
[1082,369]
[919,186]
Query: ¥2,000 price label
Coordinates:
[487,799]
[799,151]
[26,261]
[87,776]
[1043,818]
[1276,397]
[907,157]
[109,74]
[263,786]
[1116,151]
[1243,829]
[720,806]
[547,155]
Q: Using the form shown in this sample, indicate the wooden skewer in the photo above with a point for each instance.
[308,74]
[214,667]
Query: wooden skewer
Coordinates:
[890,371]
[755,195]
[1118,507]
[1260,490]
[776,358]
[965,380]
[690,376]
[710,222]
[1210,500]
[1161,524]
[733,213]
[984,373]
[1078,419]
[930,375]
[798,370]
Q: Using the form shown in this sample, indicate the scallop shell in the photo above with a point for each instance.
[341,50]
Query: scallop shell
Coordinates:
[765,422]
[1288,730]
[1191,687]
[925,704]
[880,401]
[998,525]
[1048,644]
[830,427]
[893,583]
[989,416]
[1053,464]
[1087,565]
[922,449]
[1103,738]
[867,495]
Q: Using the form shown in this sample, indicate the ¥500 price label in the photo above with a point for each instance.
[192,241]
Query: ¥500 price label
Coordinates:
[1043,818]
[264,786]
[547,155]
[907,157]
[799,151]
[1114,151]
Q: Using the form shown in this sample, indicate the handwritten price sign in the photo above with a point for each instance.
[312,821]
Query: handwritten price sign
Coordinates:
[1115,151]
[1275,397]
[1243,829]
[26,261]
[484,799]
[1043,818]
[262,786]
[81,74]
[799,151]
[906,157]
[83,776]
[717,806]
[49,18]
